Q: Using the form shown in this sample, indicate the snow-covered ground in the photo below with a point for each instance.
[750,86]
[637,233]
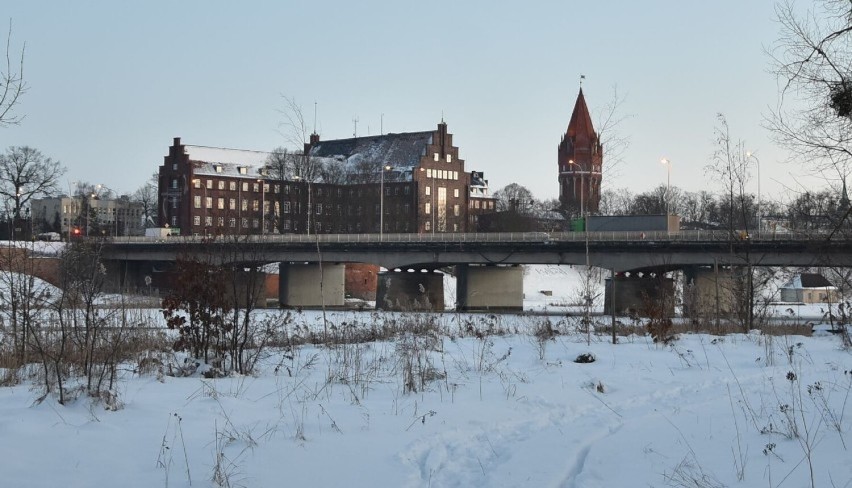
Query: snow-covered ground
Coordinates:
[504,409]
[497,401]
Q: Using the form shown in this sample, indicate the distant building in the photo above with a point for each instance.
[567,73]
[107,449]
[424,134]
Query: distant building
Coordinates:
[810,288]
[90,216]
[580,157]
[333,186]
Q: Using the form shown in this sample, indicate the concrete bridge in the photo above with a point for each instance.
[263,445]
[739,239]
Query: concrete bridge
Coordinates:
[485,262]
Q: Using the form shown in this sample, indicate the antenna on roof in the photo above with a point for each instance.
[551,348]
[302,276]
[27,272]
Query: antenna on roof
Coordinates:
[355,121]
[315,116]
[582,77]
[382,125]
[442,116]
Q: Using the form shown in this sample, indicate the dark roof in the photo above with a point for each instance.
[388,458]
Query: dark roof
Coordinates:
[581,121]
[814,280]
[396,150]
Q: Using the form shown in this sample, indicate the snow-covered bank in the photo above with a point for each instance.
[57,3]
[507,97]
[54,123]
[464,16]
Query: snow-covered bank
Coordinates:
[502,410]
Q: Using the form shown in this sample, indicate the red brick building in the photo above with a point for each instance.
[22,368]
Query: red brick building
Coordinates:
[334,186]
[580,156]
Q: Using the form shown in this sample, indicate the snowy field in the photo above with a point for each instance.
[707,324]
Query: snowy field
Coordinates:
[473,400]
[477,401]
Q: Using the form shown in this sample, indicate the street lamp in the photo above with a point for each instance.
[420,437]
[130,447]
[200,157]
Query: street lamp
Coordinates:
[262,205]
[582,193]
[297,178]
[750,155]
[202,185]
[382,201]
[668,165]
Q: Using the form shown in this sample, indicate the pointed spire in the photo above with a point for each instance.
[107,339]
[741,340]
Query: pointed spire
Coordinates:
[581,121]
[844,197]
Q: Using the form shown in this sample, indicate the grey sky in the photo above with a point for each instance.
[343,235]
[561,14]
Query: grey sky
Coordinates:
[111,83]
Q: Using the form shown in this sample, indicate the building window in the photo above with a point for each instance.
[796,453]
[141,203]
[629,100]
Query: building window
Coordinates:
[232,186]
[243,170]
[456,210]
[196,201]
[428,173]
[245,187]
[407,189]
[220,203]
[436,157]
[449,158]
[218,168]
[428,209]
[196,220]
[255,205]
[174,220]
[196,183]
[476,204]
[427,226]
[256,187]
[208,221]
[319,226]
[456,192]
[277,188]
[287,224]
[221,184]
[208,202]
[255,223]
[455,175]
[319,209]
[244,223]
[428,191]
[209,184]
[174,183]
[220,221]
[266,187]
[455,227]
[266,206]
[244,204]
[174,166]
[232,203]
[232,222]
[286,207]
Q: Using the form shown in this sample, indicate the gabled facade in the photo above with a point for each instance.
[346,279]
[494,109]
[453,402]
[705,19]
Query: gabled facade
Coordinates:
[580,158]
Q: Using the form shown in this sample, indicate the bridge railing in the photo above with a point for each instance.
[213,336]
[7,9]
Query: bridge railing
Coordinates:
[541,237]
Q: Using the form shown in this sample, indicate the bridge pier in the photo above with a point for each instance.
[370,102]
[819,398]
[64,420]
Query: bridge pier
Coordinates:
[410,290]
[709,291]
[644,294]
[489,287]
[311,285]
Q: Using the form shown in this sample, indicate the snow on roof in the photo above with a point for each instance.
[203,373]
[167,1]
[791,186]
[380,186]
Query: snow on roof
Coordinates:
[398,150]
[242,157]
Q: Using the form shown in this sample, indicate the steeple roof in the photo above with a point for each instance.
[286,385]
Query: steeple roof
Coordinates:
[581,121]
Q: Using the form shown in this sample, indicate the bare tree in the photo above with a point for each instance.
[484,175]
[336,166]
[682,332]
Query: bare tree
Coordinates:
[813,63]
[730,166]
[615,143]
[146,196]
[12,85]
[25,173]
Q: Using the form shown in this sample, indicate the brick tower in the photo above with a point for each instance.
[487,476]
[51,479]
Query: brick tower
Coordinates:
[580,159]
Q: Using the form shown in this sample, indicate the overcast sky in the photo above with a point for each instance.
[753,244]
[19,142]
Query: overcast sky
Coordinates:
[111,83]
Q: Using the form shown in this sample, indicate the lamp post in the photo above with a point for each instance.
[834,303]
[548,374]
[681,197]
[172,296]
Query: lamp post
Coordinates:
[382,201]
[582,192]
[750,155]
[262,206]
[299,178]
[668,165]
